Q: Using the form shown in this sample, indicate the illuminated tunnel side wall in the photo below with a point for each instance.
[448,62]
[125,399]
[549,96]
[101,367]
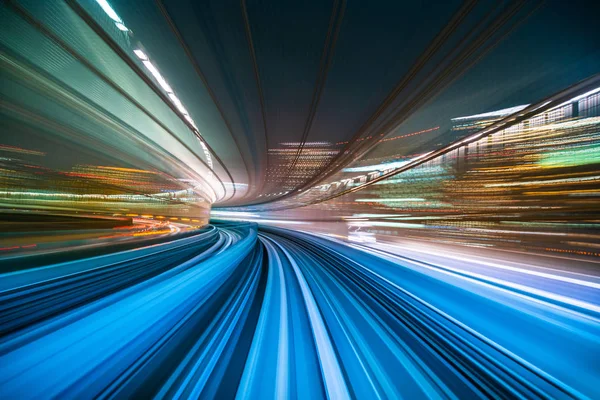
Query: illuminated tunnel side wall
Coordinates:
[533,185]
[83,133]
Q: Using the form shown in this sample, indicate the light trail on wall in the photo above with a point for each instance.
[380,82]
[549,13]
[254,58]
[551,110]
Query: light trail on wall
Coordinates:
[536,114]
[112,14]
[170,96]
[159,78]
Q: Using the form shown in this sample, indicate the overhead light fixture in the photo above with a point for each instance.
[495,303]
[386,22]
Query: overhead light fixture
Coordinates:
[161,81]
[191,121]
[121,27]
[175,100]
[109,11]
[141,55]
[177,103]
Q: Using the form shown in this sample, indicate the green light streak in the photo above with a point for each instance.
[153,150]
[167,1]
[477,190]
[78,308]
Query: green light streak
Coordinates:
[570,158]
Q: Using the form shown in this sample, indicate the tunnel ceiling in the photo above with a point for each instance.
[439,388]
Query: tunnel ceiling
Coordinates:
[267,99]
[279,89]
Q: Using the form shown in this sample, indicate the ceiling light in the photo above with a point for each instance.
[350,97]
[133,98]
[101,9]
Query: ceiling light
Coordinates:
[141,55]
[177,103]
[108,10]
[158,76]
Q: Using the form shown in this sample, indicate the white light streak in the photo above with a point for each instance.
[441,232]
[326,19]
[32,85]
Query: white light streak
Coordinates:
[497,113]
[109,11]
[178,104]
[386,224]
[141,55]
[158,76]
[377,167]
[577,98]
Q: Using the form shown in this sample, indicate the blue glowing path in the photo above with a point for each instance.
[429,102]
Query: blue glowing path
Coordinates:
[237,312]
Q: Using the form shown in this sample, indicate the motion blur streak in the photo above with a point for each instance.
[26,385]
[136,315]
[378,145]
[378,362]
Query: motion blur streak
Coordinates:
[316,199]
[247,311]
